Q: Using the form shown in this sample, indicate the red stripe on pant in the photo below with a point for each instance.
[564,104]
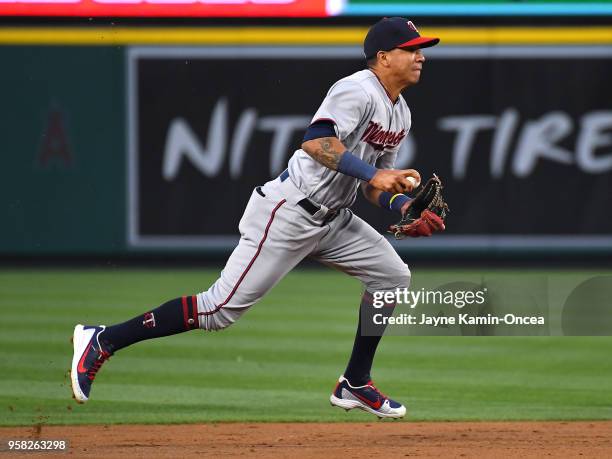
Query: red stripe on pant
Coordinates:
[244,273]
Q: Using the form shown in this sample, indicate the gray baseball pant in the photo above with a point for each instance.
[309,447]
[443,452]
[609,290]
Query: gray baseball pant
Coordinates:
[276,234]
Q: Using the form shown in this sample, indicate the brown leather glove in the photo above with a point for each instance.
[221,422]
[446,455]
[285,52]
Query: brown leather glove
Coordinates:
[426,213]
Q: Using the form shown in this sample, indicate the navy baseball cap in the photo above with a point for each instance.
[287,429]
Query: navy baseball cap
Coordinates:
[390,33]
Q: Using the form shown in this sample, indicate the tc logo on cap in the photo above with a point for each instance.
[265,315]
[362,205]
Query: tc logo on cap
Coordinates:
[412,26]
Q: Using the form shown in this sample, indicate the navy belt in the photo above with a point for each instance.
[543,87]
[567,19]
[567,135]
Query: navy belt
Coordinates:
[307,204]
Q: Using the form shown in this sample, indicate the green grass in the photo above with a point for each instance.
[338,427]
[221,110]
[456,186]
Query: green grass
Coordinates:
[278,363]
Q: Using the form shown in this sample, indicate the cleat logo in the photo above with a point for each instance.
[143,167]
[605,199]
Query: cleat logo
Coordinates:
[376,405]
[81,368]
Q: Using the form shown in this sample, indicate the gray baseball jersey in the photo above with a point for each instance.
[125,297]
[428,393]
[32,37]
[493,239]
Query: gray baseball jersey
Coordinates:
[369,125]
[278,231]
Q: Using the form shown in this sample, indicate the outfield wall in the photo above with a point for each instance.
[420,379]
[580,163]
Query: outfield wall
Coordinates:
[133,140]
[63,150]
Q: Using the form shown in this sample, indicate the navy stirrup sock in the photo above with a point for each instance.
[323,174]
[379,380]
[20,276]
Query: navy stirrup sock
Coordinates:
[175,316]
[360,364]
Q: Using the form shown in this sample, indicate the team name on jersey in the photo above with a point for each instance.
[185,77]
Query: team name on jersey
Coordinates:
[380,139]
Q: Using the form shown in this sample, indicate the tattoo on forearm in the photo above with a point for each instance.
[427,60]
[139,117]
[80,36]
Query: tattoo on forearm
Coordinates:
[326,154]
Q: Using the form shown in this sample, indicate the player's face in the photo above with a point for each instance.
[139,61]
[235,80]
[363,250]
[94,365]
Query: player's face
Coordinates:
[406,64]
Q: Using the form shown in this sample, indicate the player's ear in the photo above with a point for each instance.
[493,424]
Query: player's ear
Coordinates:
[383,58]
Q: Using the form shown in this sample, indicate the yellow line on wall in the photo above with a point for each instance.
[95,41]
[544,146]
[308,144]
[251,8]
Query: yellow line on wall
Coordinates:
[118,35]
[528,35]
[187,35]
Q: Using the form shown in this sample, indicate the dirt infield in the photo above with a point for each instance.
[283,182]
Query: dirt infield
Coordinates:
[379,439]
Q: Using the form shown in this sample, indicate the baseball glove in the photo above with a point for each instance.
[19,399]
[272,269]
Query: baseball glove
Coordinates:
[426,213]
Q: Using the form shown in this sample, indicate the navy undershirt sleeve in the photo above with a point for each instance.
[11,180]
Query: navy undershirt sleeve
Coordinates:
[319,129]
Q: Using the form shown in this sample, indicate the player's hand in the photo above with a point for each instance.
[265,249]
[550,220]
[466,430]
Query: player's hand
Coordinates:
[394,180]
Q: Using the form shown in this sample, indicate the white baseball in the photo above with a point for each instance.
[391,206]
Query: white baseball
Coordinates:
[414,181]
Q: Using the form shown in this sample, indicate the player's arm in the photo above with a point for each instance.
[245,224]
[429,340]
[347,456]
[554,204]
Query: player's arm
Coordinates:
[340,114]
[330,152]
[326,150]
[395,202]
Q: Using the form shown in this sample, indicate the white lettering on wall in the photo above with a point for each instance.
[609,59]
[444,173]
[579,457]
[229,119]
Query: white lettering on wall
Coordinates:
[517,146]
[467,128]
[538,140]
[596,133]
[182,141]
[283,128]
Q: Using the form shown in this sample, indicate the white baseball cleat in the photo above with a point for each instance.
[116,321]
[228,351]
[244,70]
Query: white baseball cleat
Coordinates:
[89,355]
[367,398]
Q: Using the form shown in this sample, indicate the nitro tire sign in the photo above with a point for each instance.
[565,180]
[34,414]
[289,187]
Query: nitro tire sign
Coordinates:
[523,144]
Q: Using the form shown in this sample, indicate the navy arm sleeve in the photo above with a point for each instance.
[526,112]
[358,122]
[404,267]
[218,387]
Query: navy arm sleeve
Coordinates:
[319,129]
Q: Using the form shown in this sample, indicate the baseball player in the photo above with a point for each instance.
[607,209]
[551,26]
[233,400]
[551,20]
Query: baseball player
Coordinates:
[351,143]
